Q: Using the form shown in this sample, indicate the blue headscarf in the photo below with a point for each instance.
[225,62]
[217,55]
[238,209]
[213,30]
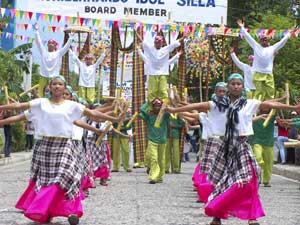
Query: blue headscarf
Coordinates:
[235,76]
[69,89]
[58,77]
[220,84]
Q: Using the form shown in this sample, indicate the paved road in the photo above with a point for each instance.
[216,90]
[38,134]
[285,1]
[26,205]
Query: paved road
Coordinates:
[130,200]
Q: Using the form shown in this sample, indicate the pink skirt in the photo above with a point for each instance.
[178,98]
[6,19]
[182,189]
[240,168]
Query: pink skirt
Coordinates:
[49,202]
[86,183]
[104,172]
[243,203]
[204,188]
[195,177]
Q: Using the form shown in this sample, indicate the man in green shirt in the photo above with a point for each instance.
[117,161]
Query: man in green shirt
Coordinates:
[123,143]
[157,138]
[176,125]
[262,143]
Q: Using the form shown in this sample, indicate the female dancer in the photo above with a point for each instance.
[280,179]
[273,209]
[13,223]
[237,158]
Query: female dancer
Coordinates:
[54,184]
[234,172]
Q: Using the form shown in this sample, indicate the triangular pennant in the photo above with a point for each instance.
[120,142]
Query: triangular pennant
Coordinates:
[50,16]
[26,26]
[46,17]
[81,20]
[53,28]
[86,21]
[30,15]
[2,11]
[74,20]
[12,13]
[21,14]
[94,21]
[37,16]
[66,19]
[58,18]
[18,26]
[7,12]
[17,14]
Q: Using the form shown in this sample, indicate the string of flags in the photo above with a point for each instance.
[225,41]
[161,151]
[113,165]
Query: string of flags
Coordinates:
[99,27]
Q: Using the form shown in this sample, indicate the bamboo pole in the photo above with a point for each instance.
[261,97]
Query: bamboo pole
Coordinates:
[29,90]
[103,133]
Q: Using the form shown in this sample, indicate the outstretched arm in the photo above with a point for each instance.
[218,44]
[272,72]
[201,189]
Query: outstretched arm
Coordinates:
[96,115]
[66,47]
[87,126]
[75,58]
[251,41]
[282,42]
[266,105]
[203,107]
[12,119]
[15,106]
[236,60]
[101,58]
[38,39]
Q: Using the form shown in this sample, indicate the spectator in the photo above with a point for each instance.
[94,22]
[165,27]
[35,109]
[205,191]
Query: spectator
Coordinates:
[283,136]
[186,148]
[29,130]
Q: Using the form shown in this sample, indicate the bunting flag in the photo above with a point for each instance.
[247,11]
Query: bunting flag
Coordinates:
[198,30]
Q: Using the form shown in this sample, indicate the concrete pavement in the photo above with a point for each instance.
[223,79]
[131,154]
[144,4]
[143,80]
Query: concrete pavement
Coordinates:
[130,200]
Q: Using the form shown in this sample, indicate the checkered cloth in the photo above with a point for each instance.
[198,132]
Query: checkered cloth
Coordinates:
[56,161]
[138,99]
[99,155]
[210,147]
[34,163]
[115,47]
[181,84]
[224,174]
[82,157]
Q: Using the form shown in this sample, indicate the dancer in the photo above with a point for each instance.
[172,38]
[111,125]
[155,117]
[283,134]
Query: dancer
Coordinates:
[247,71]
[122,143]
[157,137]
[156,60]
[234,172]
[50,59]
[172,156]
[54,184]
[87,74]
[264,55]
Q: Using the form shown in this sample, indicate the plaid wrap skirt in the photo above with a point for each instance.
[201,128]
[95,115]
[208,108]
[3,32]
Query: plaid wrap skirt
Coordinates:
[98,153]
[57,161]
[210,147]
[224,174]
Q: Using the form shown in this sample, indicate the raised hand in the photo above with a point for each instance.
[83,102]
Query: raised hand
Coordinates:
[240,23]
[36,26]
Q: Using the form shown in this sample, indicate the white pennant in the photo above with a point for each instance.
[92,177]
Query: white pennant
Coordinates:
[2,12]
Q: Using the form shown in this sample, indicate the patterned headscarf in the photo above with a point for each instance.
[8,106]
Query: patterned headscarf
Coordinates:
[69,89]
[158,39]
[52,41]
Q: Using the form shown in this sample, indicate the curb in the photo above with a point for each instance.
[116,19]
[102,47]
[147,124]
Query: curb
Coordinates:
[292,172]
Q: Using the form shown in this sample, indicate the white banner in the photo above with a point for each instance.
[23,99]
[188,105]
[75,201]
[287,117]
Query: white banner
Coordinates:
[146,11]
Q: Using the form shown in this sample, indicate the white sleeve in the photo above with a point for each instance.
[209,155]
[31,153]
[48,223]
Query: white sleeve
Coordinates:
[172,46]
[100,60]
[75,58]
[65,48]
[251,41]
[282,42]
[142,55]
[77,110]
[174,59]
[254,105]
[39,43]
[237,62]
